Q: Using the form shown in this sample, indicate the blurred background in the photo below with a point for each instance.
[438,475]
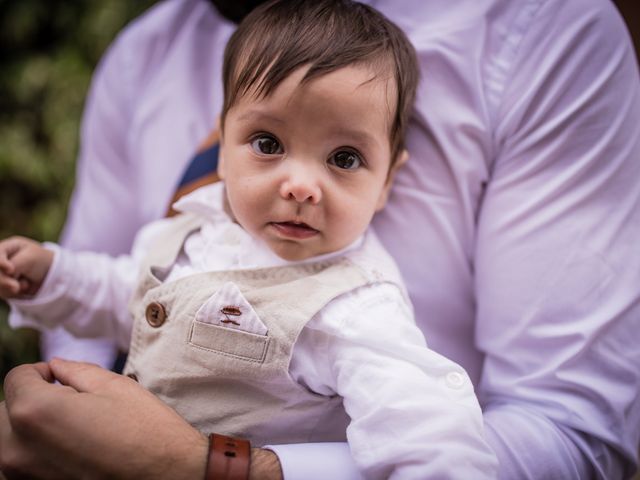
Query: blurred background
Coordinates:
[48,50]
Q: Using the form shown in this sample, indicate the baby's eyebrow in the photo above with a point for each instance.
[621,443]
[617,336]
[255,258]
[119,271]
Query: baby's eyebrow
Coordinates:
[359,136]
[255,114]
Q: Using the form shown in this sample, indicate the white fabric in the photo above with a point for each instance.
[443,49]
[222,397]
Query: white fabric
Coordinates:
[516,221]
[363,346]
[212,311]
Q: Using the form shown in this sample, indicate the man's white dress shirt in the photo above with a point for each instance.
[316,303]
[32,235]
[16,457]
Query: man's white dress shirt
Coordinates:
[515,223]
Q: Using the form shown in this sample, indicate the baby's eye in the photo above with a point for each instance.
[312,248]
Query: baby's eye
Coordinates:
[346,160]
[266,145]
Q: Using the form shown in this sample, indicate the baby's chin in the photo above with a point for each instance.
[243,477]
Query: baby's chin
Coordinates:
[295,252]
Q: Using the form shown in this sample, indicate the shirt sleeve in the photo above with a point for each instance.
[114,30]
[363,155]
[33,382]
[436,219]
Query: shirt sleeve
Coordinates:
[316,461]
[413,412]
[104,193]
[557,262]
[88,293]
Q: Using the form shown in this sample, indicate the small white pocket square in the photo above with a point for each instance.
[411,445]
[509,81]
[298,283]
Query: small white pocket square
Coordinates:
[228,308]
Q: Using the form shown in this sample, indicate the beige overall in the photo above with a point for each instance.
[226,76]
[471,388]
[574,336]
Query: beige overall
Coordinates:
[219,376]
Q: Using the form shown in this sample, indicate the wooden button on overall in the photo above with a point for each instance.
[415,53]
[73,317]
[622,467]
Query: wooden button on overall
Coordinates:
[155,314]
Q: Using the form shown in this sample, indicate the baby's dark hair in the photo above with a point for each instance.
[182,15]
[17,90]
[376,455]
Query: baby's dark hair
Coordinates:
[281,36]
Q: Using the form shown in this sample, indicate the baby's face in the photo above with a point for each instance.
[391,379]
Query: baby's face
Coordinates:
[306,168]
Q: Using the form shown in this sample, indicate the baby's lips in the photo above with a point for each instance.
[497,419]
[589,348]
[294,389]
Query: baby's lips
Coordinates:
[297,230]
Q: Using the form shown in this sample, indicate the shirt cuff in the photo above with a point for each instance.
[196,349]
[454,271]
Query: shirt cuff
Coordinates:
[316,461]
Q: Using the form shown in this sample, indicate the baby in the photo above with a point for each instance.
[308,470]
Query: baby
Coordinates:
[267,308]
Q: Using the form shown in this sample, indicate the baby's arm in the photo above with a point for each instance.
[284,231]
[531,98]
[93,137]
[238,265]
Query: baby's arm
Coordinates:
[87,293]
[24,264]
[413,412]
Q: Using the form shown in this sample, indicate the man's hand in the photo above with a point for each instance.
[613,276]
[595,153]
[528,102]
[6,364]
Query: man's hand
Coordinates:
[98,424]
[24,263]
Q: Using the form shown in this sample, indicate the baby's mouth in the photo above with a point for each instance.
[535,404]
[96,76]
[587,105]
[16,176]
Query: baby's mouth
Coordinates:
[296,230]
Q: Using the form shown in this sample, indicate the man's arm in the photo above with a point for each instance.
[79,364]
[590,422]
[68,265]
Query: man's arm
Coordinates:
[557,261]
[104,194]
[52,431]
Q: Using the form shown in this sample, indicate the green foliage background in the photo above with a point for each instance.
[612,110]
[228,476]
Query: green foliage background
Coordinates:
[48,50]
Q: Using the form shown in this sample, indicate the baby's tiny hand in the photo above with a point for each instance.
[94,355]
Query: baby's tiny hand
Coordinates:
[24,263]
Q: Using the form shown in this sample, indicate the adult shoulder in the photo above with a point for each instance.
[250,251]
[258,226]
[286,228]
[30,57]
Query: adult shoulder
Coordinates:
[149,39]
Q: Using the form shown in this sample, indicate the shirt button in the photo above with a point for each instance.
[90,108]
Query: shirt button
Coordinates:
[455,380]
[155,314]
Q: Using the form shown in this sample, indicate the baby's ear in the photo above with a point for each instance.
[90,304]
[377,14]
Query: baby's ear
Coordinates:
[401,159]
[220,169]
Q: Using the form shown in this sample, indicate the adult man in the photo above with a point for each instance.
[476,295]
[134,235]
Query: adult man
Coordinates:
[515,222]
